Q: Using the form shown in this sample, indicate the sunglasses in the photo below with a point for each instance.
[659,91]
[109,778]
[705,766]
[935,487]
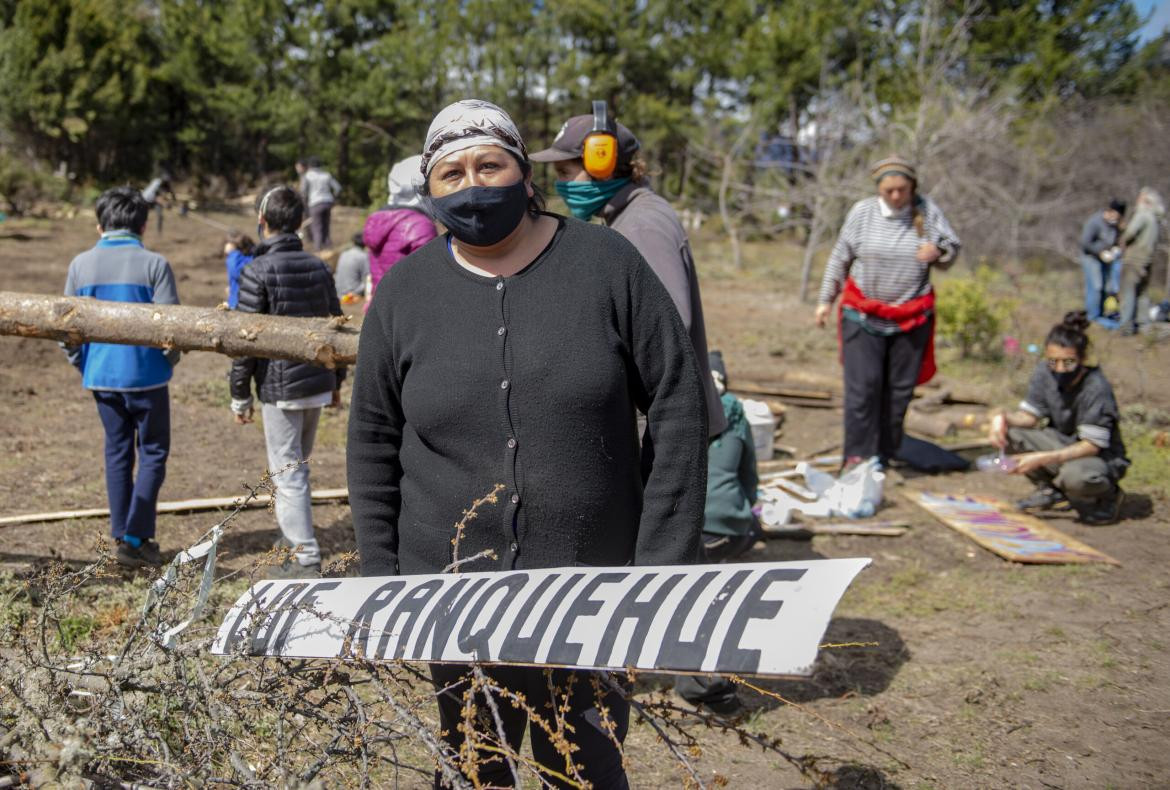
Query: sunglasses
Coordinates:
[1066,364]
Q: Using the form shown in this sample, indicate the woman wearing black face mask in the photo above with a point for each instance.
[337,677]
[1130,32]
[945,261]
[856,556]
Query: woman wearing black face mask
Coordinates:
[515,350]
[1079,456]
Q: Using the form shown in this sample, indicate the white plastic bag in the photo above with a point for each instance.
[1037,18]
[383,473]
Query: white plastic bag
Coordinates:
[856,494]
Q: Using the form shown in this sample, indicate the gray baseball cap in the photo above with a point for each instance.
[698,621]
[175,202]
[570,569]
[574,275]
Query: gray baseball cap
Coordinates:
[570,141]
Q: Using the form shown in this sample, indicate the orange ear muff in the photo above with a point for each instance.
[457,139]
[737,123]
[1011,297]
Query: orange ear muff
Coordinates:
[600,155]
[600,149]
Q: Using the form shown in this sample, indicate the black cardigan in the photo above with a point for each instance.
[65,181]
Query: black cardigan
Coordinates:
[465,381]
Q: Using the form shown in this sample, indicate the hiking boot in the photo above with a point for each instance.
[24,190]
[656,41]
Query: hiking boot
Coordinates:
[144,556]
[291,569]
[1102,511]
[1043,498]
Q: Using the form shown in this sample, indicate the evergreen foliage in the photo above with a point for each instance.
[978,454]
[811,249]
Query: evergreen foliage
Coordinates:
[236,91]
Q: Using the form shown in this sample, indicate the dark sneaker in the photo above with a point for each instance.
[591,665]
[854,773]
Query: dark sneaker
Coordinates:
[144,556]
[1101,511]
[1043,498]
[291,569]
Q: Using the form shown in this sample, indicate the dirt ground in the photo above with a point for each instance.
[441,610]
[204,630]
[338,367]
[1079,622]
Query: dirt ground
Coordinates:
[985,674]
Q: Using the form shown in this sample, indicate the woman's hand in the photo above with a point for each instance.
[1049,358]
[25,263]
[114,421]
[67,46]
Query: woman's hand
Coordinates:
[928,253]
[1030,462]
[822,314]
[245,418]
[997,431]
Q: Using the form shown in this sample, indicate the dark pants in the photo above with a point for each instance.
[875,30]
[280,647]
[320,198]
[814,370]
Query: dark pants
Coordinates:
[713,689]
[880,374]
[319,225]
[133,420]
[598,756]
[1082,480]
[1134,281]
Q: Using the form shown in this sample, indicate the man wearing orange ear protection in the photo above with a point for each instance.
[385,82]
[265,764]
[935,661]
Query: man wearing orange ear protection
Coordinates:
[599,173]
[625,201]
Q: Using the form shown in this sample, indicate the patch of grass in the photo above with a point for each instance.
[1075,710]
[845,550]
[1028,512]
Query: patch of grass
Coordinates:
[1147,475]
[1103,653]
[973,759]
[1044,681]
[331,429]
[214,392]
[914,591]
[73,630]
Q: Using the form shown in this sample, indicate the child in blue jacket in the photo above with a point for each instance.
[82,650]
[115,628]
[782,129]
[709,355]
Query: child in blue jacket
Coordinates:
[129,383]
[238,251]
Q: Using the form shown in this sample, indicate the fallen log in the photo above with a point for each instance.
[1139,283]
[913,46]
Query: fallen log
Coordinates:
[74,320]
[935,426]
[182,506]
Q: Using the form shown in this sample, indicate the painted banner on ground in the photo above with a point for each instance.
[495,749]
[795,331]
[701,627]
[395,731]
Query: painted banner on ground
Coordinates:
[1000,528]
[751,619]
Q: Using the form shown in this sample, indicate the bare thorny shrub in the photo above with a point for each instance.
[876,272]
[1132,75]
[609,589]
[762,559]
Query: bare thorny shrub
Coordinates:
[148,706]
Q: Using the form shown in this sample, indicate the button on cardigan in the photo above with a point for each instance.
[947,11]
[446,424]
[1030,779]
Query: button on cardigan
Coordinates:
[464,382]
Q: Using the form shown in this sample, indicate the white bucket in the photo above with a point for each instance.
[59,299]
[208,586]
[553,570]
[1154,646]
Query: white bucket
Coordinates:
[763,424]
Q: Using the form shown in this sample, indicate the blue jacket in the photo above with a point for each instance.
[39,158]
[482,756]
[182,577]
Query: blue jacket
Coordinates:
[119,269]
[236,261]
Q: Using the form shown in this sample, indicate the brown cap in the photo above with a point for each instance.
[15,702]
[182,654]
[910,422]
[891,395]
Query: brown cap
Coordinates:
[893,165]
[570,142]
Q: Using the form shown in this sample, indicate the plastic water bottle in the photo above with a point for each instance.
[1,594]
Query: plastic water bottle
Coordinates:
[995,462]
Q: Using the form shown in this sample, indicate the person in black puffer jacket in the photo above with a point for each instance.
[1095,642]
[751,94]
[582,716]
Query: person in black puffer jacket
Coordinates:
[283,279]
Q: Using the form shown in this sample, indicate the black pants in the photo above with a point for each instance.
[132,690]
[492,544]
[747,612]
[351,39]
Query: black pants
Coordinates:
[598,756]
[319,225]
[880,374]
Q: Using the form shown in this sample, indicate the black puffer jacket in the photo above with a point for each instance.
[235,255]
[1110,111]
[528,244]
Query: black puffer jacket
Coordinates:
[283,279]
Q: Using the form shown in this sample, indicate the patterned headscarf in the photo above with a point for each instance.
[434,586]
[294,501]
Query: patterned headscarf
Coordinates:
[469,123]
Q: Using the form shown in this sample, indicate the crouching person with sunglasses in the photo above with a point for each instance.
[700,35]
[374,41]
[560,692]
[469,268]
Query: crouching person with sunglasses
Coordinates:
[1078,456]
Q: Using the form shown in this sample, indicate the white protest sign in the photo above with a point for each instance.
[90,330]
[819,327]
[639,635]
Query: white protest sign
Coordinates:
[751,619]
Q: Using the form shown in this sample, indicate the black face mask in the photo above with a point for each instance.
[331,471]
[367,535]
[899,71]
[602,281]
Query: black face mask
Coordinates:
[482,216]
[1066,378]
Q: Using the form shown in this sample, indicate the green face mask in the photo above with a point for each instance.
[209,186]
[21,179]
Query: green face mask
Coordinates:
[586,198]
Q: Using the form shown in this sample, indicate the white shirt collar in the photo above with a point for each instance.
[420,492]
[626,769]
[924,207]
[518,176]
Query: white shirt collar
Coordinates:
[889,212]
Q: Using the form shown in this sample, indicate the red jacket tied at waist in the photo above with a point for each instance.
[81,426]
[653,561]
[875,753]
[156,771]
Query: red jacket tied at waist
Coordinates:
[908,315]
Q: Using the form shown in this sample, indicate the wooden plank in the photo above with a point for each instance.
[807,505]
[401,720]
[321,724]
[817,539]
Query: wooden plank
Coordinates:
[782,464]
[779,391]
[182,506]
[1003,530]
[880,529]
[888,529]
[974,444]
[788,486]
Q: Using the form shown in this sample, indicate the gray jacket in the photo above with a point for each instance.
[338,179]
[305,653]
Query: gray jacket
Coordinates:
[1141,237]
[1098,235]
[652,226]
[318,187]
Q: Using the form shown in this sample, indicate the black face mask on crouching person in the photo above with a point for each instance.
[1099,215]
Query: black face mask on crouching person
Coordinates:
[1065,379]
[482,216]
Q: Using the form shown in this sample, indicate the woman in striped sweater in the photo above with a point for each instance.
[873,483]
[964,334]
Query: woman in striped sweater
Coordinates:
[880,266]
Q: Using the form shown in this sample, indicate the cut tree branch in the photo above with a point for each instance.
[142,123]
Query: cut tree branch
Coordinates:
[73,320]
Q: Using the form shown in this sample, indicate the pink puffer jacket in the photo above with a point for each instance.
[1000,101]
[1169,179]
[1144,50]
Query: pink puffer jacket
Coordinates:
[392,234]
